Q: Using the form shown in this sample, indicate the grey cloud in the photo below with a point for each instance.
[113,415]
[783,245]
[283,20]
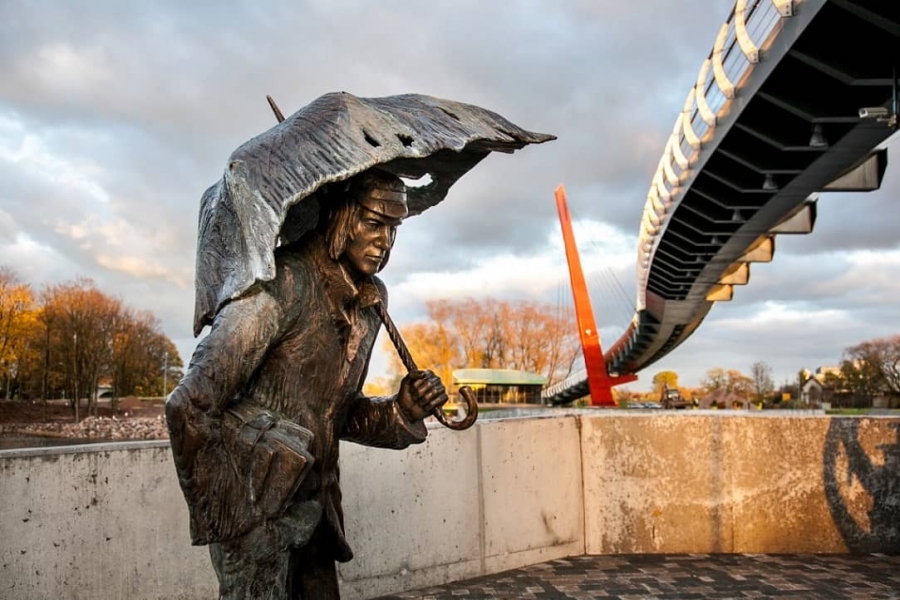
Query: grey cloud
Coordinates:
[849,318]
[183,75]
[171,89]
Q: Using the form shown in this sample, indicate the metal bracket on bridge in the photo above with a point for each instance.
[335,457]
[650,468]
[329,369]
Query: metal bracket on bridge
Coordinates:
[864,177]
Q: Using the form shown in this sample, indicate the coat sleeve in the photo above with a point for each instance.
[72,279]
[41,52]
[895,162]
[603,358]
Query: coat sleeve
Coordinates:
[380,422]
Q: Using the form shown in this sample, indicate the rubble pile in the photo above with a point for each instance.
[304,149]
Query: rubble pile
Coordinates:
[96,428]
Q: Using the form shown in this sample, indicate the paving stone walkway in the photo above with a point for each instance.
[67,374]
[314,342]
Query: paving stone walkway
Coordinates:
[683,576]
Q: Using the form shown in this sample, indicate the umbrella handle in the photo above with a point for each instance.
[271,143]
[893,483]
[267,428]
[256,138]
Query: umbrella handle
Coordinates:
[410,364]
[471,411]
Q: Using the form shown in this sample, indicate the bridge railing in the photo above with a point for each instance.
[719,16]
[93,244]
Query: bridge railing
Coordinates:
[751,26]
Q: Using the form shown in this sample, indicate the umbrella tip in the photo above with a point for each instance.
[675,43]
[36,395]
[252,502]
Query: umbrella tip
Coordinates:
[275,108]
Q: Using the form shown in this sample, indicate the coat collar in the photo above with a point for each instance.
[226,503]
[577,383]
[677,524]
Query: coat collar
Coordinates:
[339,287]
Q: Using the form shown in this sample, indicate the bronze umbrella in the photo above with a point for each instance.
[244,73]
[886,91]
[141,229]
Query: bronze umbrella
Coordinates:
[267,195]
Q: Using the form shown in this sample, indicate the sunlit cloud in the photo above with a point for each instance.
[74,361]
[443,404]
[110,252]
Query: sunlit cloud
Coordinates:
[36,263]
[140,268]
[777,314]
[888,260]
[30,154]
[65,68]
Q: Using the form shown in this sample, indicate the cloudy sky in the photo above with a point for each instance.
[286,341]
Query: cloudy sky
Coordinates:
[114,118]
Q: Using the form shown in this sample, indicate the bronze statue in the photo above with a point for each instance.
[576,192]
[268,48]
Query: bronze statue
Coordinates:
[289,245]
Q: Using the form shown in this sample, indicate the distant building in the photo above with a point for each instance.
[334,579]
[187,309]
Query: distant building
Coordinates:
[500,386]
[815,391]
[104,389]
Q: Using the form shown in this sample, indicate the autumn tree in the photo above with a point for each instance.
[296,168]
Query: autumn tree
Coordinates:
[861,381]
[871,368]
[835,389]
[64,342]
[739,384]
[880,360]
[761,374]
[18,322]
[544,339]
[715,379]
[144,361]
[472,328]
[431,346]
[524,335]
[381,386]
[167,367]
[731,381]
[624,396]
[130,351]
[84,321]
[667,379]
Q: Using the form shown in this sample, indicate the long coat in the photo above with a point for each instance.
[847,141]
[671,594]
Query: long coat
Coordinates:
[297,348]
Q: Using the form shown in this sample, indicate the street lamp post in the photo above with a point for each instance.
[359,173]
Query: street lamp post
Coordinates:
[165,372]
[75,374]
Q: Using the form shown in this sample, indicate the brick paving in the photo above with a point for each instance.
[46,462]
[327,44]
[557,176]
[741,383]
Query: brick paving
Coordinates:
[684,576]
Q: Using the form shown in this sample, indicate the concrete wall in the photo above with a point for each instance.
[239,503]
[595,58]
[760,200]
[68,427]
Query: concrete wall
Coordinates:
[97,522]
[109,521]
[498,496]
[755,483]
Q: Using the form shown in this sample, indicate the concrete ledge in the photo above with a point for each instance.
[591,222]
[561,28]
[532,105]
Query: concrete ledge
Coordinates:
[97,521]
[108,520]
[688,483]
[82,449]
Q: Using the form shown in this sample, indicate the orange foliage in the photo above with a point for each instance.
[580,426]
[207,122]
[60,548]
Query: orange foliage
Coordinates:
[73,338]
[490,333]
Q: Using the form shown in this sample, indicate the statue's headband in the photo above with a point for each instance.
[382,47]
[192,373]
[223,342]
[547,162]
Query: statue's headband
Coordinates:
[386,202]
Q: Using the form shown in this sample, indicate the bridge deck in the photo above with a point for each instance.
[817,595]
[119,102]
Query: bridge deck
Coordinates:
[779,114]
[867,576]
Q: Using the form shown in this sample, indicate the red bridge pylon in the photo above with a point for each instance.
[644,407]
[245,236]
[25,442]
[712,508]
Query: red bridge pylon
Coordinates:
[600,382]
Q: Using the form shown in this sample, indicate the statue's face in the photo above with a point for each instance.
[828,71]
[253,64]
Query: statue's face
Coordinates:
[371,237]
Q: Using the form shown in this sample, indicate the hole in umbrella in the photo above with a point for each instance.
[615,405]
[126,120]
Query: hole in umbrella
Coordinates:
[419,182]
[372,141]
[405,139]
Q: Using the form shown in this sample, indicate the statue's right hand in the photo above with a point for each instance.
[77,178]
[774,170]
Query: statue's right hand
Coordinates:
[421,392]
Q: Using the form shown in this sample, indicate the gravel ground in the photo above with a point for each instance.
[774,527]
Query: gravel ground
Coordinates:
[31,424]
[95,428]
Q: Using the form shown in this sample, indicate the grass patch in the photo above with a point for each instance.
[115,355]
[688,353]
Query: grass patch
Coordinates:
[863,411]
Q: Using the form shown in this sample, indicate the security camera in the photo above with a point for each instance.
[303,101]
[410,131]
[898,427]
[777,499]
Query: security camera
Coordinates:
[874,112]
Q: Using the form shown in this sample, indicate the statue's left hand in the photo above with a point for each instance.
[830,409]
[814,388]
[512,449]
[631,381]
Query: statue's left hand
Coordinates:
[420,393]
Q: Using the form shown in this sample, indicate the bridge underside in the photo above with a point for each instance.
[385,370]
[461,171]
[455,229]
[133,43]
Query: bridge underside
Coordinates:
[791,128]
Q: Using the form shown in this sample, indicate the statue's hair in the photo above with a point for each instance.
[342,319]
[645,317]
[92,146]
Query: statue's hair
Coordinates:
[340,209]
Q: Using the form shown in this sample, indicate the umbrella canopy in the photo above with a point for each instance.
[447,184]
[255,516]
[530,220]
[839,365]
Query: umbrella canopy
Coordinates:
[268,193]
